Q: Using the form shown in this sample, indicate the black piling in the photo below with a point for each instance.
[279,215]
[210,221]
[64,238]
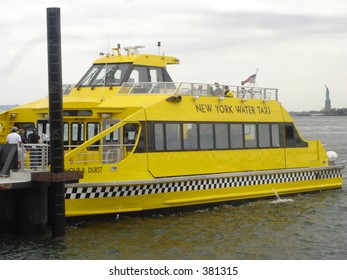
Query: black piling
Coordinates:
[56,120]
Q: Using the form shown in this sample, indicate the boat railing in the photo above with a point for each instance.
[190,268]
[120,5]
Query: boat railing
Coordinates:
[198,89]
[101,154]
[34,157]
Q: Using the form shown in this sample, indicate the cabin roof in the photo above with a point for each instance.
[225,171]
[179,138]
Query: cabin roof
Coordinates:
[138,59]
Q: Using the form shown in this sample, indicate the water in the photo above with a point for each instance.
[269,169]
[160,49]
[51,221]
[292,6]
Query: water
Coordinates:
[310,226]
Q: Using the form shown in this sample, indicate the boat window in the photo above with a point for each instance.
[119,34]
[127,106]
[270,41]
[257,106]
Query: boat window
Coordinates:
[112,137]
[173,136]
[100,79]
[139,74]
[222,136]
[236,136]
[116,76]
[92,130]
[264,135]
[104,75]
[70,113]
[292,137]
[130,131]
[89,76]
[156,74]
[250,135]
[209,136]
[275,135]
[27,126]
[43,130]
[190,136]
[77,133]
[159,136]
[66,135]
[206,136]
[289,131]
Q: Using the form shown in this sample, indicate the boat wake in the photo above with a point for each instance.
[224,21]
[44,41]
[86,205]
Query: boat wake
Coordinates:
[280,200]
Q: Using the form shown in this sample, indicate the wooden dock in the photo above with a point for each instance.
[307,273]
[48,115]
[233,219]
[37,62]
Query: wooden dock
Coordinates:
[26,200]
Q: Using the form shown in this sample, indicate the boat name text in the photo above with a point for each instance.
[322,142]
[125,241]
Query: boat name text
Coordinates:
[87,170]
[230,109]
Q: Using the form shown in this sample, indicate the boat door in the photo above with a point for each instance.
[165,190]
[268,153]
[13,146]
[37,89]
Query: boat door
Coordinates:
[111,144]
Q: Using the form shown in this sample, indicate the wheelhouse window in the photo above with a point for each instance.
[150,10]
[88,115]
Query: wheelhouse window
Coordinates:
[117,75]
[90,75]
[104,75]
[156,74]
[139,75]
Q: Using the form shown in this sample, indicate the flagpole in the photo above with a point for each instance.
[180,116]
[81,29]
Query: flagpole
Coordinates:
[256,75]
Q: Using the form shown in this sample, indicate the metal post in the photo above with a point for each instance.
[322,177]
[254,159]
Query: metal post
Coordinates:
[56,118]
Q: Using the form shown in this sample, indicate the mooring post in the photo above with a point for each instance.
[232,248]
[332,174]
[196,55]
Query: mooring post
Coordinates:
[56,119]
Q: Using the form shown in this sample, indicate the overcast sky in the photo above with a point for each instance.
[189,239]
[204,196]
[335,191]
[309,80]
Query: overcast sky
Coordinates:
[297,46]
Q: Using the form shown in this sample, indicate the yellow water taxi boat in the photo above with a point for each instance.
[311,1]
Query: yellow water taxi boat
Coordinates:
[144,142]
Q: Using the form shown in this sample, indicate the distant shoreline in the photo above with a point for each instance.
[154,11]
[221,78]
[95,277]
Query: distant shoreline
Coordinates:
[332,112]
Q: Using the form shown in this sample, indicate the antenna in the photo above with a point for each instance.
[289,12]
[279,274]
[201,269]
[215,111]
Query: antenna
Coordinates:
[117,49]
[159,45]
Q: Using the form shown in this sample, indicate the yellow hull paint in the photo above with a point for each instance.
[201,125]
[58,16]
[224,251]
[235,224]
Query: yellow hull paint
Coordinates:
[180,192]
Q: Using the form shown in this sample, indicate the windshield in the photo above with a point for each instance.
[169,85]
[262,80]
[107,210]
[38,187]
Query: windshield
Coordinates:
[104,75]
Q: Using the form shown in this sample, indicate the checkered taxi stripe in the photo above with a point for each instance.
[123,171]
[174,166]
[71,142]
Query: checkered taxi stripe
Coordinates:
[199,184]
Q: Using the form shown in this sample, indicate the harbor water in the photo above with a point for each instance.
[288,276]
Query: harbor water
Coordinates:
[306,226]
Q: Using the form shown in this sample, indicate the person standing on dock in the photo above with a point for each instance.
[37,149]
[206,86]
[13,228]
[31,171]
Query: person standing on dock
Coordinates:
[35,158]
[14,138]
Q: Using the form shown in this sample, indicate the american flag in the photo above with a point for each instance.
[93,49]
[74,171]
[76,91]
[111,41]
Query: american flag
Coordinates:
[250,79]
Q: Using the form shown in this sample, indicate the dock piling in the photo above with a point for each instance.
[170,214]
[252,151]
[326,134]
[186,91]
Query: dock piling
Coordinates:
[56,118]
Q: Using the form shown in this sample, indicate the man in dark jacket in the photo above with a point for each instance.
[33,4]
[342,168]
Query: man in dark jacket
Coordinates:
[35,151]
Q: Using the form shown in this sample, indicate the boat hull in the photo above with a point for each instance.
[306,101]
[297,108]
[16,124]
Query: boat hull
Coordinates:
[95,198]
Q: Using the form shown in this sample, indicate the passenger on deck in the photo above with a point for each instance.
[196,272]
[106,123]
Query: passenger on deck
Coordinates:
[218,91]
[199,90]
[228,92]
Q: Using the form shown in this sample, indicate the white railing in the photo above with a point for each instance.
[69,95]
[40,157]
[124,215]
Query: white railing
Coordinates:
[102,154]
[34,157]
[198,89]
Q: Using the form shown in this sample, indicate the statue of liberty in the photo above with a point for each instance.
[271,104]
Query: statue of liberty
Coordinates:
[327,93]
[327,99]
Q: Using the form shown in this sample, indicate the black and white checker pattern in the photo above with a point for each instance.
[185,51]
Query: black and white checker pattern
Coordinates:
[201,184]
